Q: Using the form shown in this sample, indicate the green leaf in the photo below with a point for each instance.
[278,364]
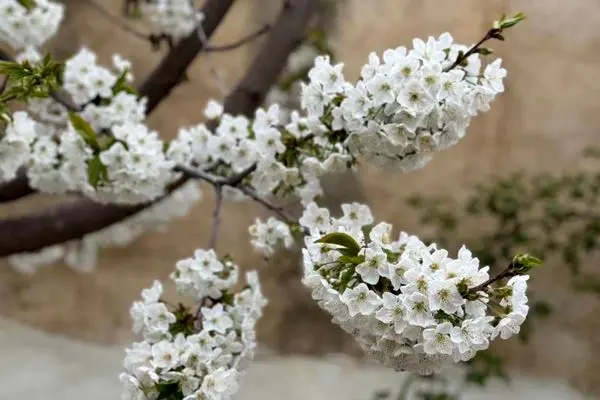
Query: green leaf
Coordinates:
[505,23]
[484,51]
[28,4]
[97,172]
[341,239]
[105,142]
[85,130]
[523,263]
[351,260]
[121,84]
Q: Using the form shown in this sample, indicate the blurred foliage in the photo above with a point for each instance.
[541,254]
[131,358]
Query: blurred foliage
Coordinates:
[24,80]
[553,216]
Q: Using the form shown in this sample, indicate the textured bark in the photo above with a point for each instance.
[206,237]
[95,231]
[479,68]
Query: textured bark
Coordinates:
[76,219]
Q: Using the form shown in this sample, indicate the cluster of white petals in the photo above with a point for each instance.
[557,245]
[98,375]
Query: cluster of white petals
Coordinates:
[407,103]
[137,170]
[24,27]
[15,144]
[176,18]
[194,355]
[238,143]
[270,235]
[128,158]
[82,255]
[409,305]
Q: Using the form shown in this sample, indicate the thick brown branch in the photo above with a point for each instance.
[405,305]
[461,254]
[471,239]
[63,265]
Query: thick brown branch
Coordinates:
[74,220]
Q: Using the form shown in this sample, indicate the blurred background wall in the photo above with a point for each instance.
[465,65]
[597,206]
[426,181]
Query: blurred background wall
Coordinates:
[548,114]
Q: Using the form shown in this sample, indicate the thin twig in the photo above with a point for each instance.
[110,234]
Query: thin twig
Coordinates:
[491,34]
[265,203]
[215,73]
[214,233]
[238,43]
[506,273]
[235,182]
[117,21]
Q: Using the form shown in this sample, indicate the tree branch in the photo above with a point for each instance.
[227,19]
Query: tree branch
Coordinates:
[235,181]
[74,220]
[156,87]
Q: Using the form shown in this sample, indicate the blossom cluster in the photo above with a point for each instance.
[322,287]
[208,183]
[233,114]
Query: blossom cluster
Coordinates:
[29,26]
[82,255]
[285,160]
[268,236]
[407,103]
[409,305]
[175,18]
[133,169]
[113,143]
[194,355]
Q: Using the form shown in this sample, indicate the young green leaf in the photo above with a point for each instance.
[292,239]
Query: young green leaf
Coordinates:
[344,240]
[85,130]
[97,172]
[121,85]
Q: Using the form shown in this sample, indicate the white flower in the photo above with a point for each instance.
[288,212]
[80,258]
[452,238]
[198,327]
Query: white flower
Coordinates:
[329,77]
[213,109]
[152,295]
[392,312]
[158,317]
[437,340]
[510,325]
[375,261]
[518,293]
[164,355]
[417,310]
[356,215]
[415,99]
[444,295]
[315,218]
[361,300]
[472,335]
[219,384]
[216,319]
[493,76]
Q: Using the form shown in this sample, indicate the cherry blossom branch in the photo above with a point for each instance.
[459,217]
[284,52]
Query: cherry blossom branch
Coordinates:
[235,181]
[73,220]
[277,210]
[156,87]
[494,33]
[519,265]
[462,57]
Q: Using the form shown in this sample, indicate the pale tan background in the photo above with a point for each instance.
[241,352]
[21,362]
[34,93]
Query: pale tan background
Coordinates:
[547,116]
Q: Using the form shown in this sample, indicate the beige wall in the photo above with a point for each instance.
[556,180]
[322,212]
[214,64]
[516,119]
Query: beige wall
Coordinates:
[548,114]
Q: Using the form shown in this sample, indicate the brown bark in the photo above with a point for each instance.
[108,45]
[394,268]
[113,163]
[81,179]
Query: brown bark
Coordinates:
[74,220]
